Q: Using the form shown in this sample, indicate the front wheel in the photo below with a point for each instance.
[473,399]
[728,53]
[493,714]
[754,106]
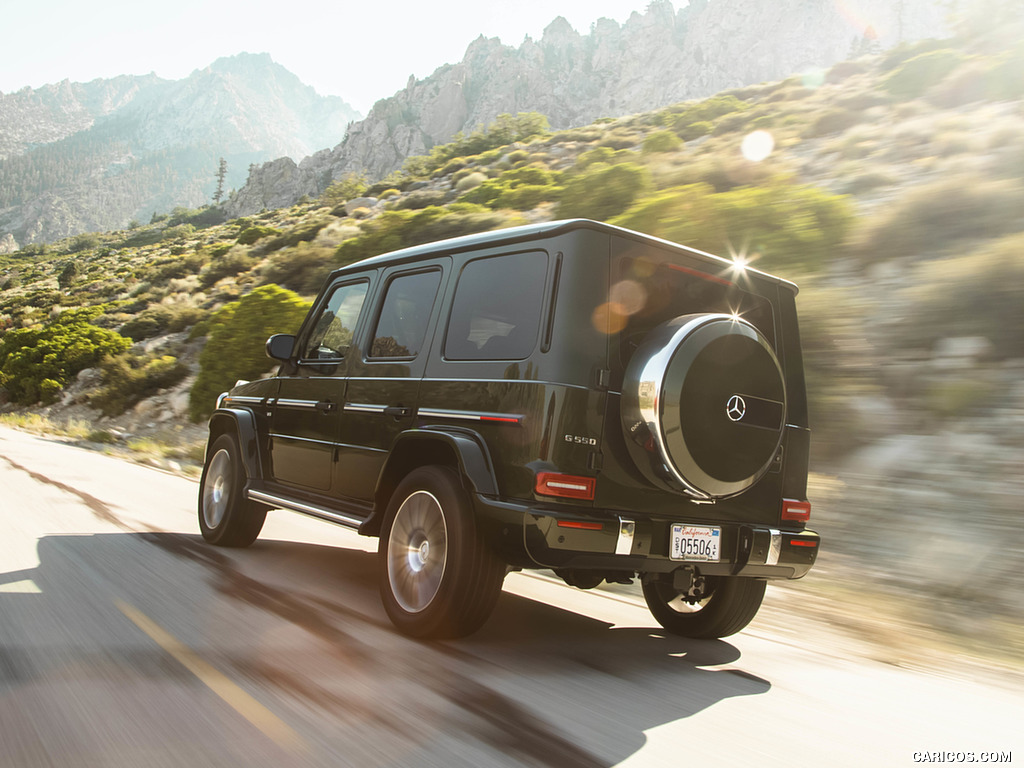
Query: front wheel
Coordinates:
[226,517]
[727,605]
[439,578]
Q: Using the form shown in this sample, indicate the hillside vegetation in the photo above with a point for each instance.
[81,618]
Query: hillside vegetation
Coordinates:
[890,188]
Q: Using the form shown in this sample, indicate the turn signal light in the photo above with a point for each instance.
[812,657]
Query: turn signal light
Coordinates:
[566,486]
[799,511]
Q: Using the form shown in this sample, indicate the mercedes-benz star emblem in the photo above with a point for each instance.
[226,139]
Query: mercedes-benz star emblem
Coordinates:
[736,408]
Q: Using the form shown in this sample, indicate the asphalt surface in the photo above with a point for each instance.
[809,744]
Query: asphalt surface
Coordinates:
[125,640]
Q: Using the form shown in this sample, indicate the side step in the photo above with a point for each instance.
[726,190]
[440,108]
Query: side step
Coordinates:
[313,510]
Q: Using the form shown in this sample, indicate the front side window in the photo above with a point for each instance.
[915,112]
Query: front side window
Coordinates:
[332,333]
[497,308]
[402,324]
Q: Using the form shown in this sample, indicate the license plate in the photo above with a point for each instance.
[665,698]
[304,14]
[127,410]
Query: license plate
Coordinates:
[696,543]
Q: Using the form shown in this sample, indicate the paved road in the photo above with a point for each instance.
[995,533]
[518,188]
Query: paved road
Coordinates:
[126,641]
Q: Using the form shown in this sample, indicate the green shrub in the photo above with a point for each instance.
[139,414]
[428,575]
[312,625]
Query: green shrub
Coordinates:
[127,379]
[708,110]
[602,191]
[393,230]
[933,218]
[35,363]
[518,189]
[661,141]
[694,130]
[302,268]
[780,224]
[505,130]
[146,236]
[302,232]
[250,235]
[421,198]
[84,242]
[349,187]
[234,262]
[200,218]
[916,75]
[161,319]
[469,181]
[618,139]
[605,155]
[160,272]
[235,343]
[976,294]
[178,232]
[832,121]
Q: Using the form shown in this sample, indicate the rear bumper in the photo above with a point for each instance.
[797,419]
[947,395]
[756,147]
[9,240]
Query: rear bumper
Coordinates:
[545,538]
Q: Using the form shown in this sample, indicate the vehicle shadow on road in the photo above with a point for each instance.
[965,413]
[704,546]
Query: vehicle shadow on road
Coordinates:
[551,685]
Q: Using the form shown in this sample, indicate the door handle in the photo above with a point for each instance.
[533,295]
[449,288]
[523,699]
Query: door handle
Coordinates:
[397,411]
[326,406]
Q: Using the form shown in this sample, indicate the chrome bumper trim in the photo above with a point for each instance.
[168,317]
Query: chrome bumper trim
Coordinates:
[627,530]
[775,548]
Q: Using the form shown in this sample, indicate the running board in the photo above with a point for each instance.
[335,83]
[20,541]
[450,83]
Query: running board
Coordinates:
[283,502]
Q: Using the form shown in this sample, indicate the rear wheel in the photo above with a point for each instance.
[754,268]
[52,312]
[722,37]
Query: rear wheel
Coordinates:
[226,517]
[438,576]
[726,606]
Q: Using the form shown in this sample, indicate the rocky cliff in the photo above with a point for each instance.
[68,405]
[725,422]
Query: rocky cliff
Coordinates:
[656,58]
[78,157]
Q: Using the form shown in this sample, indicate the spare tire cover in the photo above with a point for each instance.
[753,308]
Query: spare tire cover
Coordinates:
[704,405]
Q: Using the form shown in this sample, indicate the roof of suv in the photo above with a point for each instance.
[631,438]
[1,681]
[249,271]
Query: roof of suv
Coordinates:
[535,232]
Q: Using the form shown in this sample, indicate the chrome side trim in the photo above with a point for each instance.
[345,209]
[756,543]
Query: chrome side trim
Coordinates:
[775,548]
[285,402]
[627,530]
[444,413]
[301,439]
[243,399]
[279,502]
[363,408]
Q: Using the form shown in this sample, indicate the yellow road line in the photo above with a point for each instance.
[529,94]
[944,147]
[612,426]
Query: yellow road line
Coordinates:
[257,714]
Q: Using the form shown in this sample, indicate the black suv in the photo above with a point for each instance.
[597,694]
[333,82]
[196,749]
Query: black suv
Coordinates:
[569,395]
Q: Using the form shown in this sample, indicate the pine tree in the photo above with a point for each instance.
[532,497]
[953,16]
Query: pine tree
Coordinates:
[222,171]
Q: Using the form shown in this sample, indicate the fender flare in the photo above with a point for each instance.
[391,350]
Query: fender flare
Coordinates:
[471,457]
[243,423]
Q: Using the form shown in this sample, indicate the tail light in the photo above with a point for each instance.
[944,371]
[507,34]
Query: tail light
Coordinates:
[797,511]
[565,486]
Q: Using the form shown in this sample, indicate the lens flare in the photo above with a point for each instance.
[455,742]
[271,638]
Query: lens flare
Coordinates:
[610,318]
[629,295]
[757,146]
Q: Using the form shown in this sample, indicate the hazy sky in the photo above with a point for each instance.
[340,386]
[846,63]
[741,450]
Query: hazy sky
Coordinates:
[361,51]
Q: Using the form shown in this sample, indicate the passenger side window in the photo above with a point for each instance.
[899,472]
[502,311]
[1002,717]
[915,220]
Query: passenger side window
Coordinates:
[332,333]
[497,308]
[402,324]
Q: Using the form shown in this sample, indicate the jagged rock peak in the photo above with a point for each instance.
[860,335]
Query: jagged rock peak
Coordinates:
[658,57]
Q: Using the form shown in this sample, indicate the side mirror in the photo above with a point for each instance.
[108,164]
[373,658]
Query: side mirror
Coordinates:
[281,346]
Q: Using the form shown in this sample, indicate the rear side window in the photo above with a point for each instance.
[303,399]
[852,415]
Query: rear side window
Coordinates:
[332,334]
[497,308]
[402,324]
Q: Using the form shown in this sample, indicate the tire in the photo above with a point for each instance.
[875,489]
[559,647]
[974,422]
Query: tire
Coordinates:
[732,604]
[438,577]
[704,406]
[226,517]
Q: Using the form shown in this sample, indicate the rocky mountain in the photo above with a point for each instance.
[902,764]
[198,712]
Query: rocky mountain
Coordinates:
[656,58]
[78,157]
